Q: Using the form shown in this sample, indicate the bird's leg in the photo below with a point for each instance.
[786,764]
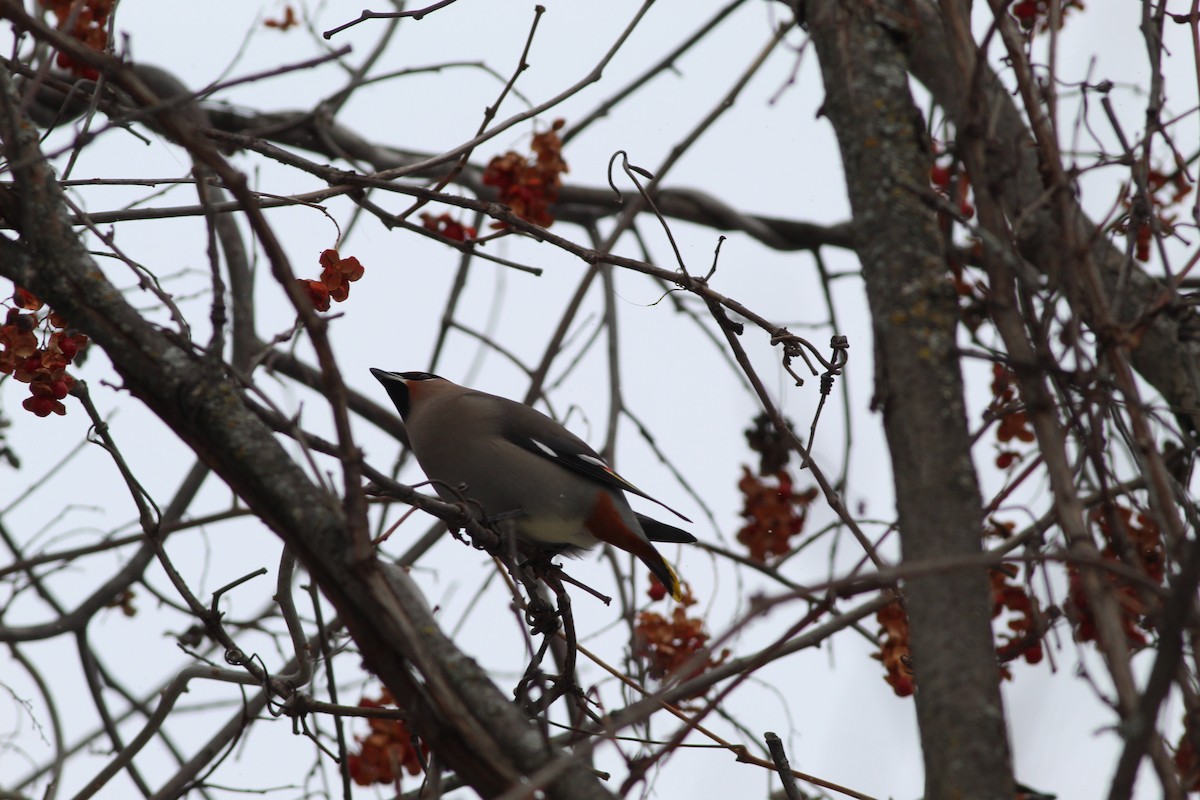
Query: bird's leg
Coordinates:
[544,619]
[480,539]
[539,615]
[566,682]
[507,515]
[531,565]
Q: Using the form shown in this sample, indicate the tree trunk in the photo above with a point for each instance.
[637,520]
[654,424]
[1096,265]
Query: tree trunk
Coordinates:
[886,156]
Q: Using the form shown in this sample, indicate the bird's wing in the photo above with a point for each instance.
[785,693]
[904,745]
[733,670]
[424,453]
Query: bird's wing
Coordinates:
[528,429]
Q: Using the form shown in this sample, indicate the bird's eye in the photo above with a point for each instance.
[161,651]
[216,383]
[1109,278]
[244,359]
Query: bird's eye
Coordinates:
[420,376]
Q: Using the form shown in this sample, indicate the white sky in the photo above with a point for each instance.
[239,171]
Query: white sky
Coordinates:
[838,718]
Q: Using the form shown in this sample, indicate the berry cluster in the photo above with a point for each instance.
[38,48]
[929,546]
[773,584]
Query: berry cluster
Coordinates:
[88,26]
[1186,760]
[448,226]
[667,644]
[1160,184]
[1134,540]
[530,189]
[289,21]
[1014,423]
[387,751]
[1036,13]
[1022,637]
[893,648]
[36,349]
[950,180]
[337,274]
[773,513]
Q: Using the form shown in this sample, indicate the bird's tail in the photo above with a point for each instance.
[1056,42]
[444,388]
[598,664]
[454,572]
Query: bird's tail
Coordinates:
[662,570]
[662,532]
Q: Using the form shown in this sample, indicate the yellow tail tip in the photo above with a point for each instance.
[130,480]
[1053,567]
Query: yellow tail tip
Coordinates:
[675,588]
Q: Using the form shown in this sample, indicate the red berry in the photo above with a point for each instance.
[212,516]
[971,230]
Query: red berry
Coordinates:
[42,406]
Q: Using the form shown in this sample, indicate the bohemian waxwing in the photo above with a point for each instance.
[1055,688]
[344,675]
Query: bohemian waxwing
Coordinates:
[518,468]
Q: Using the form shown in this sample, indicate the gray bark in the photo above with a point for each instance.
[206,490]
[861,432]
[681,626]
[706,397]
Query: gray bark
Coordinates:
[886,157]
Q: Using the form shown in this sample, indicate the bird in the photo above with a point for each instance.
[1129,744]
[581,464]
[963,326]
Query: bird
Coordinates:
[524,472]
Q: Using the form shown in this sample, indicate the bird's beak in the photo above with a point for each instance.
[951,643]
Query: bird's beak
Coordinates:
[396,387]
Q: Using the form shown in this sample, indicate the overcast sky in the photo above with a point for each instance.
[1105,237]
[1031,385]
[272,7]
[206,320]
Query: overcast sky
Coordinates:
[771,154]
